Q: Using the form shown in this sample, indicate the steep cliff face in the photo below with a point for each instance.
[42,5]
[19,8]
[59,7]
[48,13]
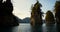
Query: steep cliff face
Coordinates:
[49,18]
[57,11]
[36,14]
[8,20]
[6,16]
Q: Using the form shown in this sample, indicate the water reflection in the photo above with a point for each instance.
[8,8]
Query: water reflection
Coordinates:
[45,28]
[9,29]
[37,29]
[51,28]
[58,27]
[28,28]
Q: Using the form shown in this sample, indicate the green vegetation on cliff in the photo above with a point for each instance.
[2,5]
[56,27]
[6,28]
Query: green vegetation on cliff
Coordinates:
[57,11]
[49,17]
[36,14]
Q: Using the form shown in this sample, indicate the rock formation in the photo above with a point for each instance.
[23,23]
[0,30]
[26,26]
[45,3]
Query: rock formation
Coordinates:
[36,14]
[6,16]
[57,12]
[49,18]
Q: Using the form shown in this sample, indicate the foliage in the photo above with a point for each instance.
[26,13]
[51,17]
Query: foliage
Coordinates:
[36,14]
[57,11]
[57,6]
[49,16]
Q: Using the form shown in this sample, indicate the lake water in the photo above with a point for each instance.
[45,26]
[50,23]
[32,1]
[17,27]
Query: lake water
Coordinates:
[26,27]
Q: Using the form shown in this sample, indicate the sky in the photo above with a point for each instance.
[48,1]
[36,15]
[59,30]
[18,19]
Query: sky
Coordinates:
[22,8]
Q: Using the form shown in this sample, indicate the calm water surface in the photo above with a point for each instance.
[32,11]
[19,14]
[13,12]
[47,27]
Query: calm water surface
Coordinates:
[26,27]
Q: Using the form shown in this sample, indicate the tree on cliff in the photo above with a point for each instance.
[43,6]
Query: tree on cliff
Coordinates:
[36,14]
[49,17]
[57,11]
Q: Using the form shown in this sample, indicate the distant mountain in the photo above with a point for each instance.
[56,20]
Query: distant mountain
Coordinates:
[26,20]
[18,19]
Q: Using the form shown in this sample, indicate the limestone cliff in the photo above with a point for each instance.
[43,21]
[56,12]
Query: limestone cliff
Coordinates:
[6,16]
[36,14]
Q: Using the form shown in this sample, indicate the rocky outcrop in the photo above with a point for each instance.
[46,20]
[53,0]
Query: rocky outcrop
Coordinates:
[57,12]
[36,14]
[6,16]
[8,20]
[49,18]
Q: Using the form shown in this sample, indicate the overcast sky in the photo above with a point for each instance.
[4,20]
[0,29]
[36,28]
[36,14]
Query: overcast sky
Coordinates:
[22,8]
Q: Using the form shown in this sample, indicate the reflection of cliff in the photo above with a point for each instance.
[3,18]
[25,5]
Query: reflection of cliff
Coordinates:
[6,16]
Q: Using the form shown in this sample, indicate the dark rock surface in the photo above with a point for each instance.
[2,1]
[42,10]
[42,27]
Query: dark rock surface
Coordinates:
[6,16]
